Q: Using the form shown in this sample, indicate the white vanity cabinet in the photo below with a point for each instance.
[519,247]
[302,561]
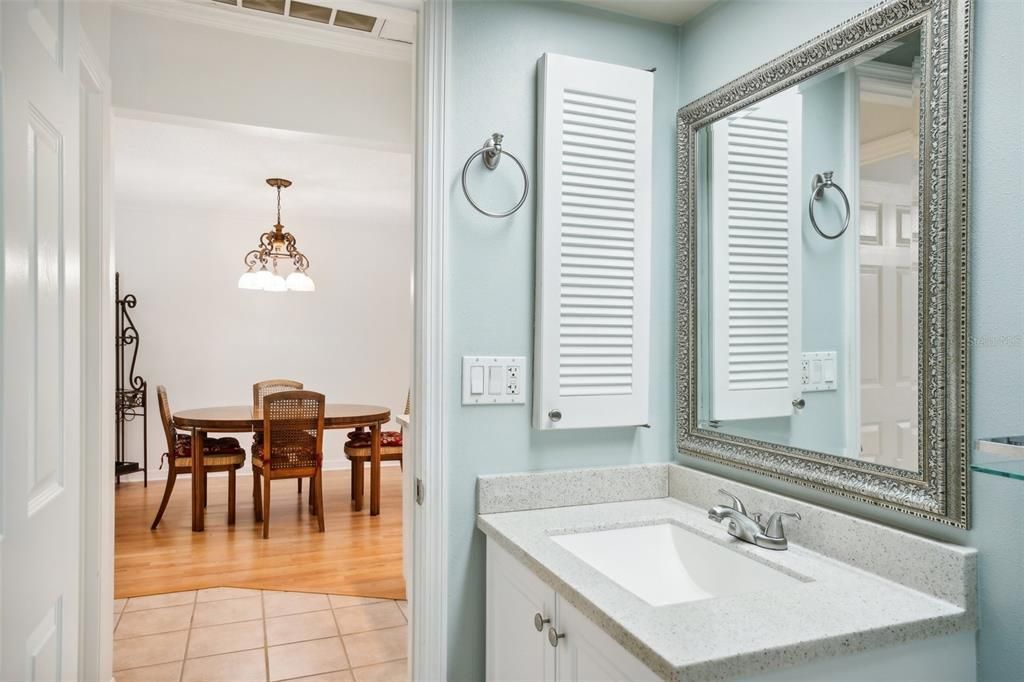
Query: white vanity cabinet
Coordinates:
[517,650]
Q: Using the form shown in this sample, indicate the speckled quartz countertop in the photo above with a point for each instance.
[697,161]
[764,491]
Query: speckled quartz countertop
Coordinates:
[835,608]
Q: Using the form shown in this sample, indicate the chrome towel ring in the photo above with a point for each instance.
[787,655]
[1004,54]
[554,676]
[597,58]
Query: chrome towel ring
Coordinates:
[491,152]
[819,183]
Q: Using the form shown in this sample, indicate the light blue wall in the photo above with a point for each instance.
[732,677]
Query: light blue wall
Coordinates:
[491,264]
[733,37]
[822,424]
[495,48]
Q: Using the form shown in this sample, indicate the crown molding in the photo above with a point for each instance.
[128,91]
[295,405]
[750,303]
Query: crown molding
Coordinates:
[887,83]
[230,18]
[264,131]
[903,142]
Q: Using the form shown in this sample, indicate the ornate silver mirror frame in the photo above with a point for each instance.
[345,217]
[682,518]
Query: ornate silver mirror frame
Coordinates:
[938,489]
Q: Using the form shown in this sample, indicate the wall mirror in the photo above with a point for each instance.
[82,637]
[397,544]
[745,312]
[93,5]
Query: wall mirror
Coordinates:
[822,241]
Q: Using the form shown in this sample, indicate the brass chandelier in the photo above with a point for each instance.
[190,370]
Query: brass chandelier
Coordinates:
[274,246]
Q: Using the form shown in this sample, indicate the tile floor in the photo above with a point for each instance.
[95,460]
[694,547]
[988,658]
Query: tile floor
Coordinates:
[228,633]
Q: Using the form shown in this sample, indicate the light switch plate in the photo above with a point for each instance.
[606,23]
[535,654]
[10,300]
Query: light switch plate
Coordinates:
[510,390]
[819,371]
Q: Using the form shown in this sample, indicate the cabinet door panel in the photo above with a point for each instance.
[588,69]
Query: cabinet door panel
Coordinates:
[516,651]
[587,654]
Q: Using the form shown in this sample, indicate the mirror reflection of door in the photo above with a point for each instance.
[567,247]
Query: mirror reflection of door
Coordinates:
[888,261]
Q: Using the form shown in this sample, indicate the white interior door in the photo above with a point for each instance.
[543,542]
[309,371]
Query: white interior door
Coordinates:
[888,324]
[39,464]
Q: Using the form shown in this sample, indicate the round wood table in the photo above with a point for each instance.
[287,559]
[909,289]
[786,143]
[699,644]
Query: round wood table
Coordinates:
[238,418]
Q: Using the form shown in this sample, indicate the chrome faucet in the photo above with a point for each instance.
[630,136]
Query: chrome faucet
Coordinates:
[748,527]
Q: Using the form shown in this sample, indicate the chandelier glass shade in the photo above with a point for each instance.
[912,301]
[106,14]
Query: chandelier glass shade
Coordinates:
[276,245]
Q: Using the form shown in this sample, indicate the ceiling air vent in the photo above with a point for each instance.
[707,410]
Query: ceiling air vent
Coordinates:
[359,22]
[272,6]
[302,10]
[330,16]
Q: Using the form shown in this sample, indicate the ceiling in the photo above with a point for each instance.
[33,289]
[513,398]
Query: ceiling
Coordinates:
[664,11]
[224,167]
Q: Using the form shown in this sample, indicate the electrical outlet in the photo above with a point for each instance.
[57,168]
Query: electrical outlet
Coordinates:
[512,380]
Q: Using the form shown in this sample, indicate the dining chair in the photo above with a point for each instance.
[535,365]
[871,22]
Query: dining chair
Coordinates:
[292,447]
[219,454]
[264,388]
[358,448]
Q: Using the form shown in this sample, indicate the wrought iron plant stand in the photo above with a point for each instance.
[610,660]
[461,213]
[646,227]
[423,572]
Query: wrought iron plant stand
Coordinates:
[130,399]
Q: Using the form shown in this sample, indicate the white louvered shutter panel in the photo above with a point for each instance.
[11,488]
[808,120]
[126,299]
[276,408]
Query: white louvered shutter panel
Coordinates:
[591,359]
[757,214]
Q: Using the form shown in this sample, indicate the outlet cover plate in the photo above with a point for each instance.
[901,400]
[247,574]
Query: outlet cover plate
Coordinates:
[513,387]
[819,371]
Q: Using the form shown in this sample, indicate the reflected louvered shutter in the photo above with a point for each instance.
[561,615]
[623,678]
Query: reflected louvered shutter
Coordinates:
[756,241]
[591,360]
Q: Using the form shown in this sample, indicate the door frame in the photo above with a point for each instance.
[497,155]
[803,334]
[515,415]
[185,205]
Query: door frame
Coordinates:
[97,498]
[428,634]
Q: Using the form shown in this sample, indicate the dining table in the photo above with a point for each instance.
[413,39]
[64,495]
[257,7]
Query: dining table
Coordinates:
[241,418]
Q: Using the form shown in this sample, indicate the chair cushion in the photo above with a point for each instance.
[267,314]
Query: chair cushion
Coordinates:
[393,454]
[211,446]
[363,439]
[184,464]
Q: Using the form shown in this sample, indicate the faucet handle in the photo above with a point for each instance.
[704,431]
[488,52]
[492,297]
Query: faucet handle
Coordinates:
[737,504]
[774,527]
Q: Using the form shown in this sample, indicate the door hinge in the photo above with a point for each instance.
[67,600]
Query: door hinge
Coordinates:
[419,491]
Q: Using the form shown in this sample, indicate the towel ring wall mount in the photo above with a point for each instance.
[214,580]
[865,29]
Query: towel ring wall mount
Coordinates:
[491,153]
[819,183]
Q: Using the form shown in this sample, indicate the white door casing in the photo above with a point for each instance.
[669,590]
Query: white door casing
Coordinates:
[427,442]
[97,518]
[592,336]
[40,461]
[757,214]
[888,324]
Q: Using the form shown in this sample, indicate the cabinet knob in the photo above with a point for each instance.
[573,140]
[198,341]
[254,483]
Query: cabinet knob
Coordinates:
[799,403]
[540,621]
[553,637]
[555,415]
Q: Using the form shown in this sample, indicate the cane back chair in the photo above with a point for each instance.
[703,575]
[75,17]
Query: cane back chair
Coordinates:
[292,447]
[219,454]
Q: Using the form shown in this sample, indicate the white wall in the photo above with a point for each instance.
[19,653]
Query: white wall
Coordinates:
[94,16]
[169,66]
[190,202]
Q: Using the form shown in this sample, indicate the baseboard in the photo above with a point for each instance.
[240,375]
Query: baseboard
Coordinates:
[161,475]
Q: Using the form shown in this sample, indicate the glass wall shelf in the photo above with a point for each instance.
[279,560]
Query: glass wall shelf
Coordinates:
[1003,456]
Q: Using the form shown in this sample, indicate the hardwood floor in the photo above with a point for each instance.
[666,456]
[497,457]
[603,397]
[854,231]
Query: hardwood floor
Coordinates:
[357,555]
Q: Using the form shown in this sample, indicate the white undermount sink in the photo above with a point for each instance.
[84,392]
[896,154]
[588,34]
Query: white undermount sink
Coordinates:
[666,564]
